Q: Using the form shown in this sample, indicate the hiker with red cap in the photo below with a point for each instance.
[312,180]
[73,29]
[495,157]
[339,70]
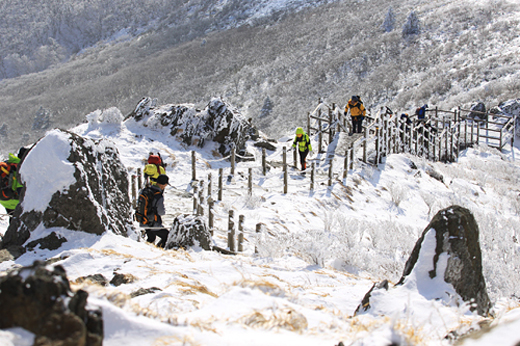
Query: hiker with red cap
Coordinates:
[153,169]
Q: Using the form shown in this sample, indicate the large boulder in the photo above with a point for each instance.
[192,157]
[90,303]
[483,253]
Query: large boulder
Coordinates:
[189,231]
[39,300]
[70,182]
[219,122]
[457,240]
[478,111]
[445,266]
[512,109]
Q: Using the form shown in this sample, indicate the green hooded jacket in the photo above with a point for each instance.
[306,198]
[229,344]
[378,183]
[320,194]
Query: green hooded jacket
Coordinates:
[12,203]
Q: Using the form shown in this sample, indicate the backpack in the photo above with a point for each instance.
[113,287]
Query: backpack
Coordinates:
[145,212]
[358,100]
[7,175]
[155,159]
[420,112]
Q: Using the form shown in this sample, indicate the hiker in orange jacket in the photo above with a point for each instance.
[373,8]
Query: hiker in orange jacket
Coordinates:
[357,113]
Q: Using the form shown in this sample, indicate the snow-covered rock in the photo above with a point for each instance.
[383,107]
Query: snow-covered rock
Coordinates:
[40,300]
[71,182]
[219,122]
[445,266]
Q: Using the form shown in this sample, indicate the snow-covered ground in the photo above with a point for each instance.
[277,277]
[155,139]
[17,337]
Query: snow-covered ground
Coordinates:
[319,252]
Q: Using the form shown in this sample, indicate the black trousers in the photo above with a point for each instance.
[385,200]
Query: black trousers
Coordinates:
[303,156]
[357,124]
[152,234]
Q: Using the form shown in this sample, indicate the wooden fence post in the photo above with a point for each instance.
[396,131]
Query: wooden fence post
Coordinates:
[195,199]
[387,138]
[312,175]
[231,231]
[220,174]
[352,156]
[264,167]
[210,215]
[410,136]
[134,192]
[331,131]
[308,124]
[416,136]
[434,147]
[472,131]
[365,144]
[330,171]
[250,181]
[200,208]
[210,183]
[378,143]
[240,233]
[284,170]
[139,180]
[193,166]
[258,230]
[232,161]
[478,134]
[345,165]
[319,133]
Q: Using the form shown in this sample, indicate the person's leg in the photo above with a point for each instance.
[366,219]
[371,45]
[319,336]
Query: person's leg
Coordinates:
[303,161]
[150,235]
[163,234]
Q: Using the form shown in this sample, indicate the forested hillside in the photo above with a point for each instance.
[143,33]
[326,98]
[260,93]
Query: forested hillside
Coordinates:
[271,62]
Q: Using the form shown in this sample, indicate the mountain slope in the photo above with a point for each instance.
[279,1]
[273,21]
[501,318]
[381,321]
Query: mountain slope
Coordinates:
[318,253]
[466,51]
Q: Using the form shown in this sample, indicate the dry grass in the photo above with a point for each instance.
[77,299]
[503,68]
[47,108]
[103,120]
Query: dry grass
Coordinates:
[286,319]
[189,288]
[265,286]
[175,340]
[204,325]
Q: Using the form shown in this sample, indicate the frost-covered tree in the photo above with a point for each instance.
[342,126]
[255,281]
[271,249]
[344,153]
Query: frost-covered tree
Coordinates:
[412,25]
[267,108]
[4,130]
[42,120]
[389,22]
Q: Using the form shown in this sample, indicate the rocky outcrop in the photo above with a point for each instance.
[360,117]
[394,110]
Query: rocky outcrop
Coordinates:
[39,300]
[70,182]
[188,231]
[457,237]
[478,111]
[446,262]
[219,122]
[510,108]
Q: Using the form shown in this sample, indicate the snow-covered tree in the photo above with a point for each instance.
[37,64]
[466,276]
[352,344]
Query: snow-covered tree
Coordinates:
[389,22]
[412,25]
[267,108]
[4,130]
[42,120]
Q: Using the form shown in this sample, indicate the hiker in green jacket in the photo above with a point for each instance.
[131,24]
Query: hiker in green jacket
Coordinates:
[304,146]
[10,185]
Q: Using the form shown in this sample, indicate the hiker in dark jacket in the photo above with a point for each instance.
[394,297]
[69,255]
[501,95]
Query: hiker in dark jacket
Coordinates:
[157,205]
[421,112]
